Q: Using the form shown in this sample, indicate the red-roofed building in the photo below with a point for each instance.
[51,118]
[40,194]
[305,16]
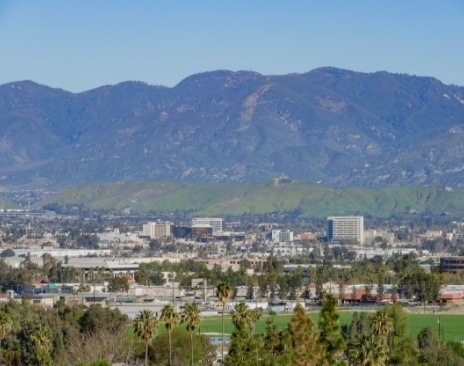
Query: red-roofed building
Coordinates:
[130,280]
[355,296]
[450,298]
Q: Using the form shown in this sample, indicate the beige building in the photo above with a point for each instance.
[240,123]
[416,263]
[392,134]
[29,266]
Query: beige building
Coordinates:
[432,234]
[345,228]
[370,235]
[157,230]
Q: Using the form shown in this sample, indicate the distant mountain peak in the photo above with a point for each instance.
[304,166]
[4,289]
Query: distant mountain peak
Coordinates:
[341,127]
[217,78]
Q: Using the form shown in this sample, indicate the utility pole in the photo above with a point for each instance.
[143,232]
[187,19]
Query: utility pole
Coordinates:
[439,327]
[204,290]
[255,290]
[172,284]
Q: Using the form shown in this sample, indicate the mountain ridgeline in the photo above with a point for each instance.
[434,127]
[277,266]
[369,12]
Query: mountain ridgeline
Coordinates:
[336,127]
[302,198]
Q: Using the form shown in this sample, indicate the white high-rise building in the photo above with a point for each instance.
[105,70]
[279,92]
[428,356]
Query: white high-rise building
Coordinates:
[280,236]
[157,230]
[341,228]
[214,223]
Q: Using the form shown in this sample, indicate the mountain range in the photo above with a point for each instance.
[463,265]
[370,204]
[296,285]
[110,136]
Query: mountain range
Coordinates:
[337,127]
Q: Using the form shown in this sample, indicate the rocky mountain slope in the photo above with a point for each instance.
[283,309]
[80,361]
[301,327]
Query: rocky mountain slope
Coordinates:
[338,127]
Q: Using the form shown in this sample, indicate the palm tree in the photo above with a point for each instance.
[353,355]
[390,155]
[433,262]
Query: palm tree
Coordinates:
[101,274]
[240,315]
[170,317]
[191,316]
[145,325]
[366,351]
[79,274]
[5,326]
[224,293]
[255,315]
[382,325]
[40,337]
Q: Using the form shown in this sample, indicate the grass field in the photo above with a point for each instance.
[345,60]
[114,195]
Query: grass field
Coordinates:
[453,325]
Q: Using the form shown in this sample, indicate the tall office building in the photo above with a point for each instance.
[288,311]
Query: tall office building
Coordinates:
[341,228]
[157,230]
[214,223]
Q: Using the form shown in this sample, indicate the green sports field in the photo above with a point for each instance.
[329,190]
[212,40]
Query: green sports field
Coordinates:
[452,325]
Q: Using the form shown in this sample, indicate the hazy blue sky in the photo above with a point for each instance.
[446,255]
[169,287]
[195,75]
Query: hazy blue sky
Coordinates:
[78,45]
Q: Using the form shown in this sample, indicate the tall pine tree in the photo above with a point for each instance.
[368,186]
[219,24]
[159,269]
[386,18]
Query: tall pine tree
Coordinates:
[329,330]
[305,350]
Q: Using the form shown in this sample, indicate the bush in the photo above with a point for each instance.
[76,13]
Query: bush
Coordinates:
[203,351]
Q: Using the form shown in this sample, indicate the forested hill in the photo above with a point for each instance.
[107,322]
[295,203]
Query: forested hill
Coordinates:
[283,195]
[339,127]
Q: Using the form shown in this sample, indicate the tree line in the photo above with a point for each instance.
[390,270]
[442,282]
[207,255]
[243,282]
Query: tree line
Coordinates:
[403,273]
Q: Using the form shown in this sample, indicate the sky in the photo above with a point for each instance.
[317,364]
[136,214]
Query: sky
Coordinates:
[78,45]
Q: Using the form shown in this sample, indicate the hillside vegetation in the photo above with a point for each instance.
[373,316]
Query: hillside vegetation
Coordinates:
[283,195]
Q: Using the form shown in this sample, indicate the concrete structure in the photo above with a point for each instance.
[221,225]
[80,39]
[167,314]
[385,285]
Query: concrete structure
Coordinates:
[449,236]
[115,237]
[432,234]
[341,228]
[35,252]
[157,230]
[370,235]
[307,236]
[279,236]
[214,223]
[233,263]
[116,267]
[46,300]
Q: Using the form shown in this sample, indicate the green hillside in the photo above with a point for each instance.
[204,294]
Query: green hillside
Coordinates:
[312,200]
[7,204]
